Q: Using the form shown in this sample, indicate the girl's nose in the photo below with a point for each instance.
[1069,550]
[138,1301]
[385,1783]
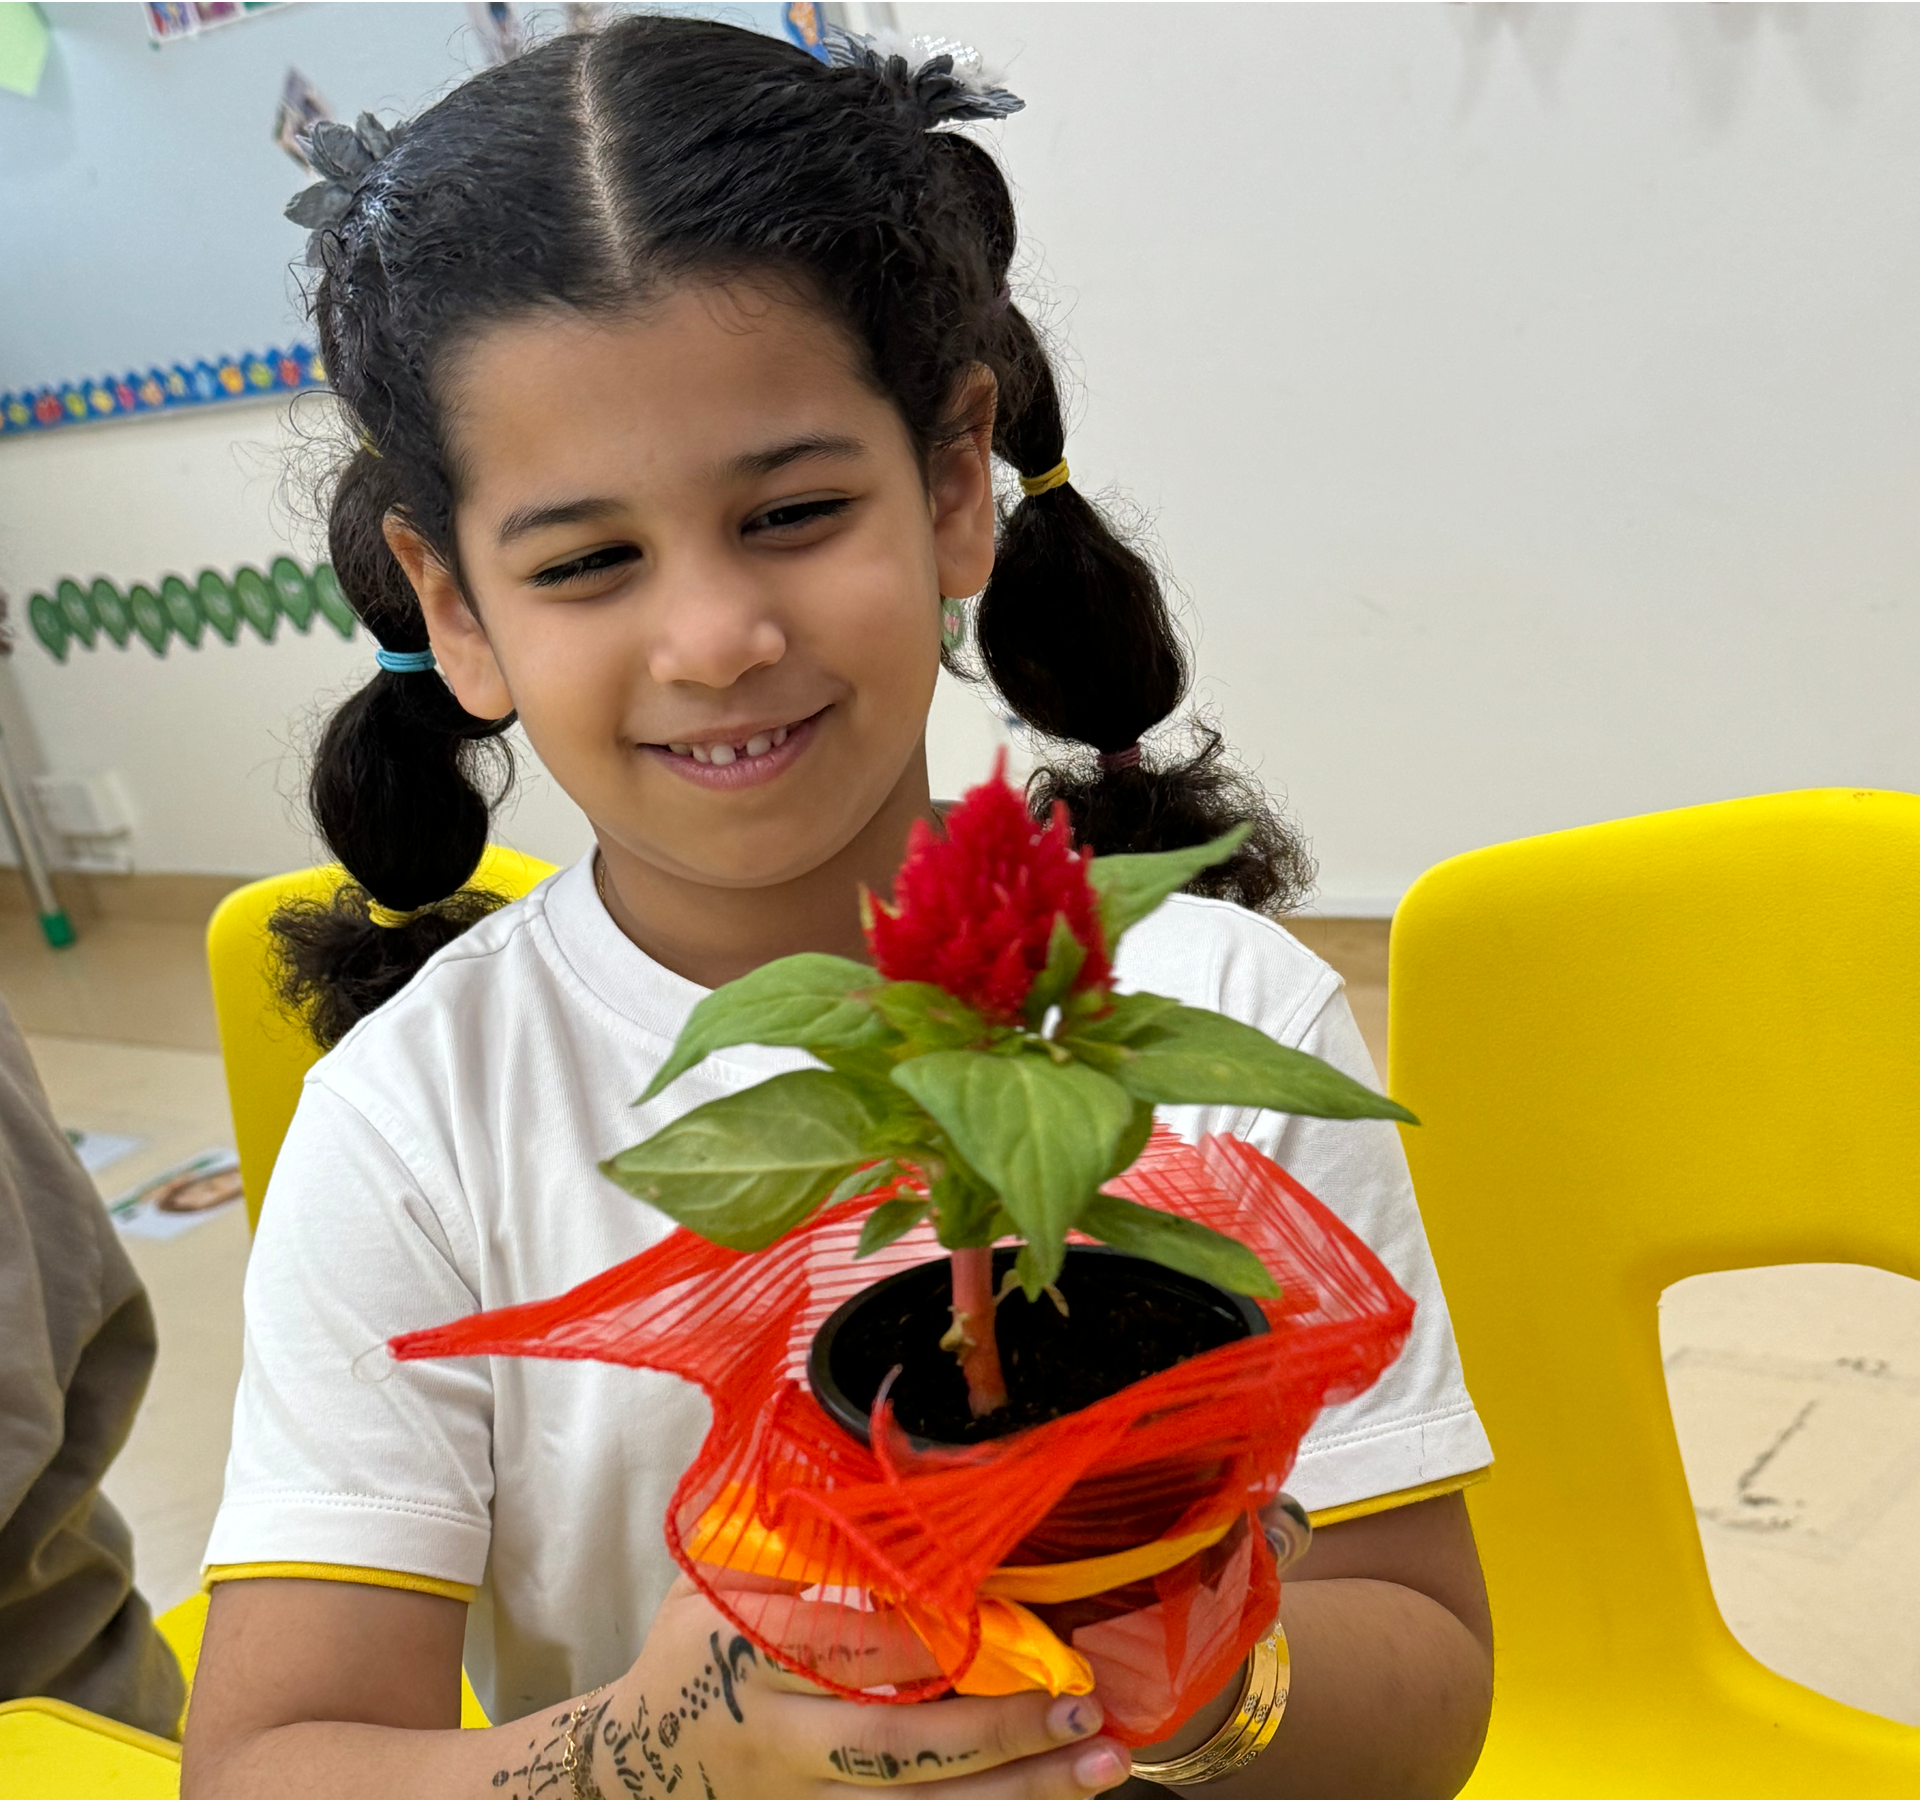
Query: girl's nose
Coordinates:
[711,631]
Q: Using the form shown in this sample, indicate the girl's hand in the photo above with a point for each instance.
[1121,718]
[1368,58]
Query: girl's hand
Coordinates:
[703,1716]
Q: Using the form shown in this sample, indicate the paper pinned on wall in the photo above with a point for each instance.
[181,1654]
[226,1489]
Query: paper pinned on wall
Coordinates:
[170,20]
[23,47]
[301,108]
[500,30]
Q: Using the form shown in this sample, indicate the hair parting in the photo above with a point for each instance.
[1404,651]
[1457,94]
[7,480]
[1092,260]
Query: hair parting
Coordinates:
[590,173]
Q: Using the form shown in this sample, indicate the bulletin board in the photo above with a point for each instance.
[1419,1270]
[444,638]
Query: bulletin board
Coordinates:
[148,263]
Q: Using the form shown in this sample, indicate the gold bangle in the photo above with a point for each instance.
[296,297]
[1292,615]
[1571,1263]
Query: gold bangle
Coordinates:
[1263,1699]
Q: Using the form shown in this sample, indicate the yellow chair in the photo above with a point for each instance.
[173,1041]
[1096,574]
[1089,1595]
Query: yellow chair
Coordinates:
[267,1052]
[1642,1051]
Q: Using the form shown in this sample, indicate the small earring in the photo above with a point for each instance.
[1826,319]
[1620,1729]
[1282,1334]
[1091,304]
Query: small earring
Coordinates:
[953,624]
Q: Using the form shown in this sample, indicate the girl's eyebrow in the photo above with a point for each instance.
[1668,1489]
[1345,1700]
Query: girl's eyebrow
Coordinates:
[523,521]
[778,456]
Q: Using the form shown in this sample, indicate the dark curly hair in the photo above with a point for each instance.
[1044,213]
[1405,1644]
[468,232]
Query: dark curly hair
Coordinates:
[598,169]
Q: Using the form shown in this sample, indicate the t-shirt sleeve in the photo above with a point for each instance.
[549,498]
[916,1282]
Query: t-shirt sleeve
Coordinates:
[342,1457]
[1415,1428]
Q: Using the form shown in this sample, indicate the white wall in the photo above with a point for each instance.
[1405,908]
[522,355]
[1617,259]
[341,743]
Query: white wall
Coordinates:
[1529,399]
[211,742]
[1529,396]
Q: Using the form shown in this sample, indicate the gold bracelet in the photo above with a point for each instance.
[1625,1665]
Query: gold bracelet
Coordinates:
[570,1764]
[1263,1699]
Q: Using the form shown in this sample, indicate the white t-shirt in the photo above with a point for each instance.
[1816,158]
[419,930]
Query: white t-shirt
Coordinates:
[443,1160]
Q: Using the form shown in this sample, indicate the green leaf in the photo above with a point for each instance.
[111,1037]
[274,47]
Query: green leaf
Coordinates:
[966,1213]
[1196,1058]
[1042,1134]
[1122,1022]
[928,1017]
[1130,887]
[1066,955]
[1133,1140]
[1178,1243]
[865,1181]
[889,1220]
[805,1002]
[745,1169]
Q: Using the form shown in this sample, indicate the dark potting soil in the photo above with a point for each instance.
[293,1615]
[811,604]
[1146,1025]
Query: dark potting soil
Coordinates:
[1126,1319]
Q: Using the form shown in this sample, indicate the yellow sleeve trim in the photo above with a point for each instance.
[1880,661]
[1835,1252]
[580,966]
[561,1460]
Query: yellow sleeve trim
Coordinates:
[1427,1490]
[300,1571]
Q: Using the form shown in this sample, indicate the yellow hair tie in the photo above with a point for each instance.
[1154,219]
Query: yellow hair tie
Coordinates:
[389,918]
[1057,476]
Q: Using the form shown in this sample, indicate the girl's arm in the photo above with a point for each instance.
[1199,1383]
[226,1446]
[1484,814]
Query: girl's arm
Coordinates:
[310,1690]
[1392,1678]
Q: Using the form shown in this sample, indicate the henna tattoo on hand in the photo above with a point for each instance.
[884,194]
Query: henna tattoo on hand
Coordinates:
[731,1663]
[543,1776]
[883,1765]
[638,1753]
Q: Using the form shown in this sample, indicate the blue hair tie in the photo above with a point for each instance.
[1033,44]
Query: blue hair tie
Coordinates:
[403,662]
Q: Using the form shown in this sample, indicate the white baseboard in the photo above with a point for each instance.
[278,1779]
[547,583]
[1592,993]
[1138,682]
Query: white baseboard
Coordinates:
[1337,900]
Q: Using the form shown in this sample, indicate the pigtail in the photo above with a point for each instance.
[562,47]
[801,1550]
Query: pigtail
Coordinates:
[1075,632]
[403,787]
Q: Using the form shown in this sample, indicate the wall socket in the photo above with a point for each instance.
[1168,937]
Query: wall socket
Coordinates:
[91,819]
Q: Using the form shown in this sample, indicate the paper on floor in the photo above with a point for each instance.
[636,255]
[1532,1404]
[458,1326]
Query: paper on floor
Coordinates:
[179,1198]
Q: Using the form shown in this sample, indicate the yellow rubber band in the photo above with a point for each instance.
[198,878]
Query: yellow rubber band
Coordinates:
[386,917]
[1057,476]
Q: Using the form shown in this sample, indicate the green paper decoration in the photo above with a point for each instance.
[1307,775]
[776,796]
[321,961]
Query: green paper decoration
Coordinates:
[149,617]
[49,625]
[78,614]
[73,614]
[331,602]
[183,610]
[110,608]
[217,604]
[257,604]
[293,591]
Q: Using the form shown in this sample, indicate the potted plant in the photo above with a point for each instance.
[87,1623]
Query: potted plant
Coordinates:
[987,1059]
[1038,1459]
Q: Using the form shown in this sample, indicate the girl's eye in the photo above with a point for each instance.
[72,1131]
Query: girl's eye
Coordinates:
[796,513]
[595,562]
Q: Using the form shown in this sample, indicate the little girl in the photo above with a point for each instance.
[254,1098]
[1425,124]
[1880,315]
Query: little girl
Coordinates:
[680,362]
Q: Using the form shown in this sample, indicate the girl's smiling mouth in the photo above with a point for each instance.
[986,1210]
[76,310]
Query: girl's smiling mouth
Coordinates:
[738,760]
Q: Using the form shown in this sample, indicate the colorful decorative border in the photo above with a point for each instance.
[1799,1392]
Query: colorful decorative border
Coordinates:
[184,611]
[162,390]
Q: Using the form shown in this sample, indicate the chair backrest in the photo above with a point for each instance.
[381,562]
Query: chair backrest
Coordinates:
[1643,1051]
[267,1051]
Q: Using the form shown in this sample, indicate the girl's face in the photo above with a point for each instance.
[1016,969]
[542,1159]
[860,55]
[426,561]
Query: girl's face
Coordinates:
[706,568]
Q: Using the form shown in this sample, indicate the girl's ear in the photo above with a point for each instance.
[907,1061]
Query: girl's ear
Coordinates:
[960,490]
[461,647]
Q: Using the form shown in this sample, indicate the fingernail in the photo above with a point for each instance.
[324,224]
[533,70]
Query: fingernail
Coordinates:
[1074,1717]
[1098,1769]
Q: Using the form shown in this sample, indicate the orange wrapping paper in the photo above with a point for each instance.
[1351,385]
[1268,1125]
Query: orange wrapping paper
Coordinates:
[895,1575]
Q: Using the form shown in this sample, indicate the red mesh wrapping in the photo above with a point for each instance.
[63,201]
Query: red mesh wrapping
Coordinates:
[872,1563]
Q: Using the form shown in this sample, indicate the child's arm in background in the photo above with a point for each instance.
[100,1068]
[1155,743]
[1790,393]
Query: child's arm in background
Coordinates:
[1392,1678]
[314,1690]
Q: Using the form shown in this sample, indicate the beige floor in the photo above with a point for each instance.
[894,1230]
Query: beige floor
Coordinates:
[1796,1392]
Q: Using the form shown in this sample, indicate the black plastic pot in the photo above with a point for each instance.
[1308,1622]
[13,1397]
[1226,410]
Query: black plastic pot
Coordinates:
[1126,1319]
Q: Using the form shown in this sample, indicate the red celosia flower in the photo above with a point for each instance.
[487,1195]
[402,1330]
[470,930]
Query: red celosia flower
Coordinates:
[973,910]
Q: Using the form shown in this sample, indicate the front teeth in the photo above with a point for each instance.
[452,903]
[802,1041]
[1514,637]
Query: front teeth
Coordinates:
[720,755]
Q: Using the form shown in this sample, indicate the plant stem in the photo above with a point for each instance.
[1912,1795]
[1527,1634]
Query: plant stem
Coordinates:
[972,1336]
